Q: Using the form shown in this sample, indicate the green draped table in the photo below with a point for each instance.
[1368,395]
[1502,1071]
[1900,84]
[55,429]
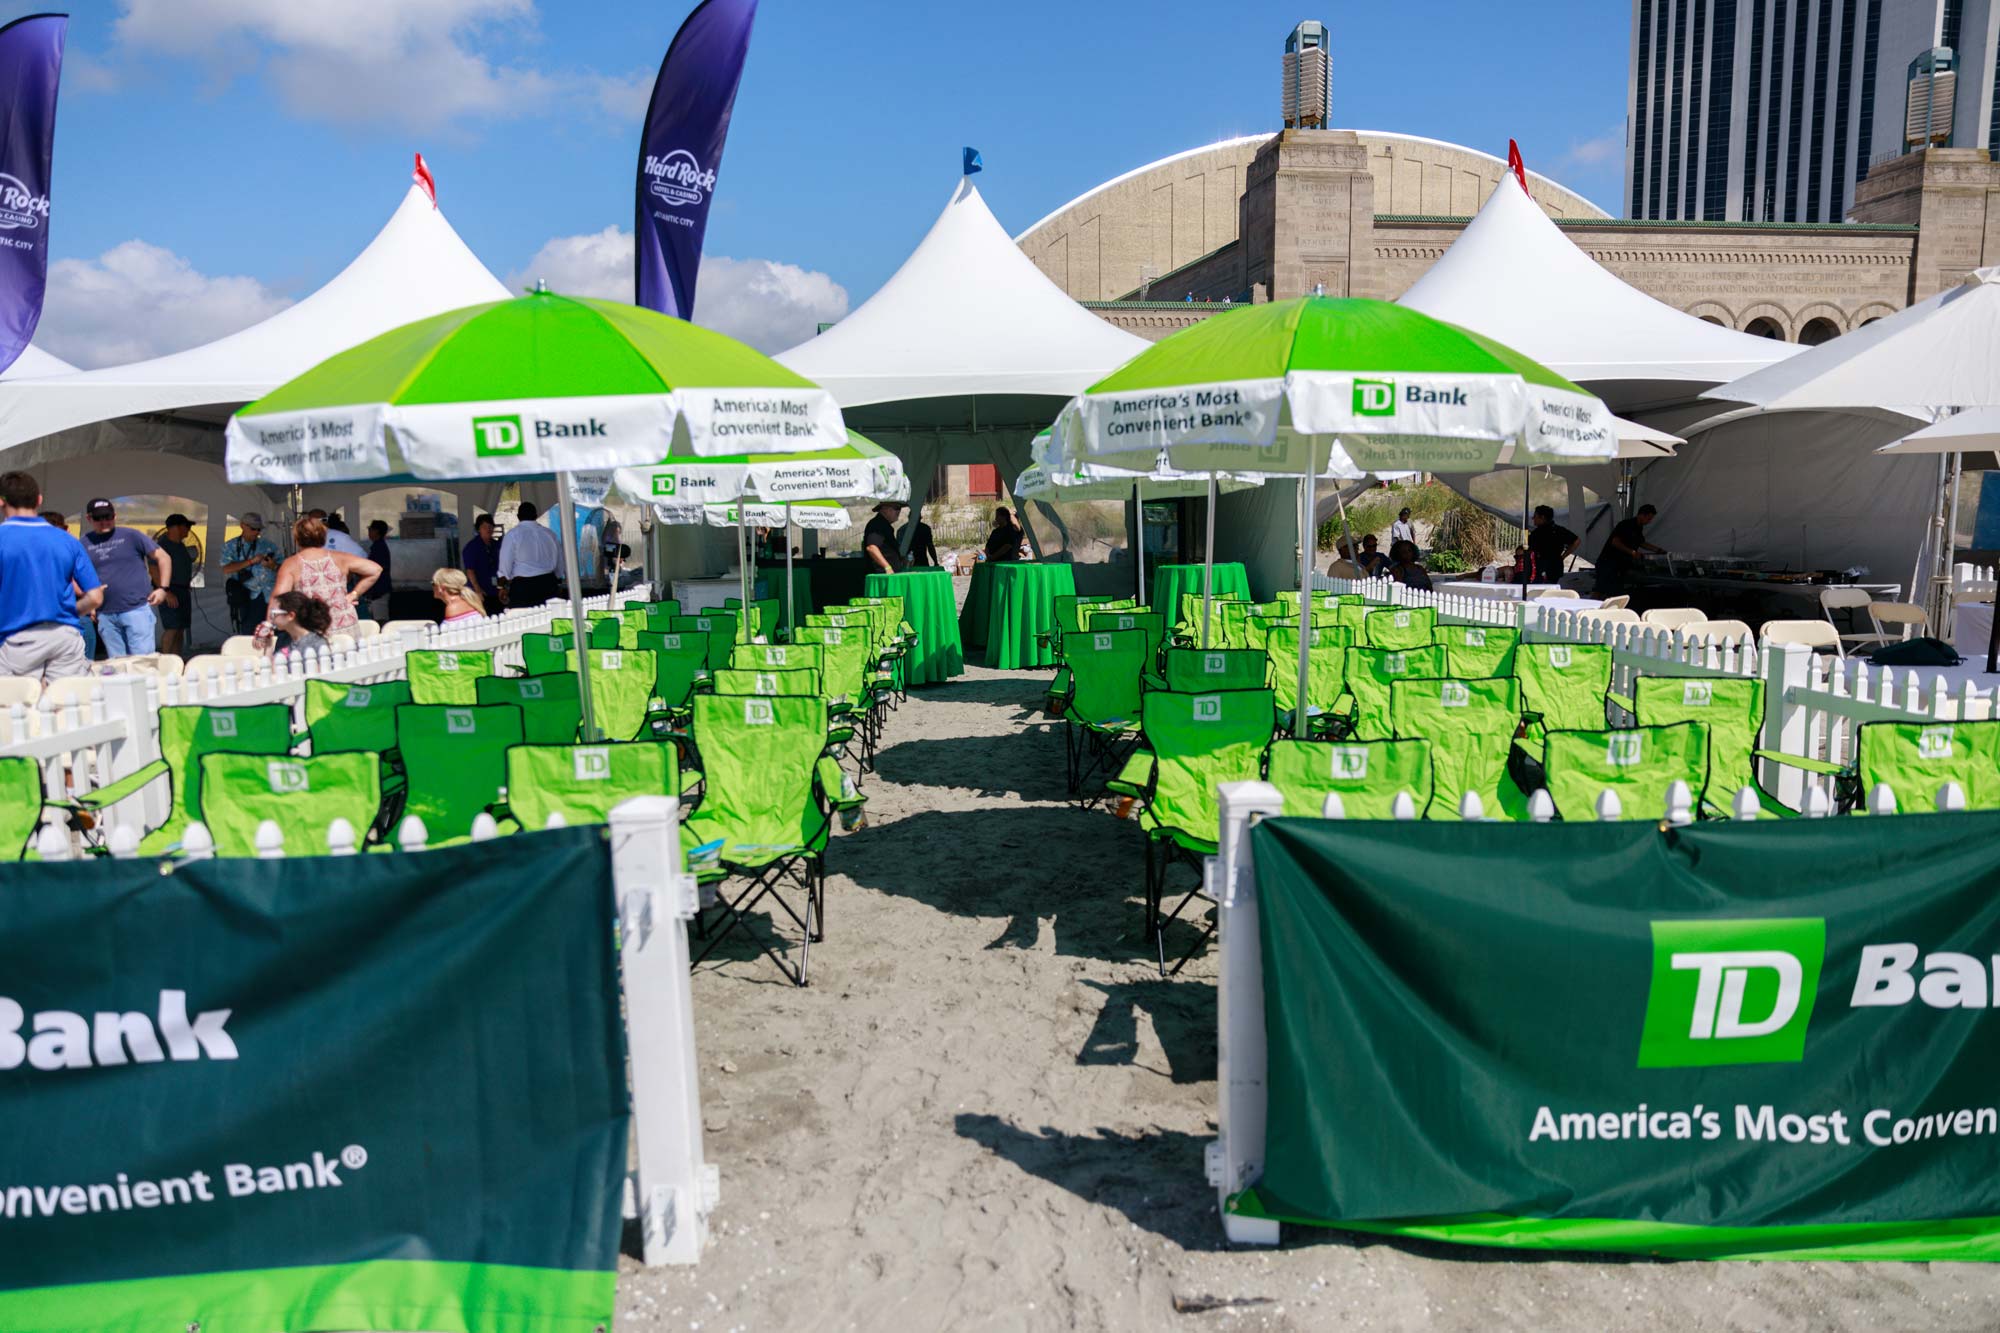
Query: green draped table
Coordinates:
[978,603]
[771,583]
[1023,607]
[931,607]
[1170,581]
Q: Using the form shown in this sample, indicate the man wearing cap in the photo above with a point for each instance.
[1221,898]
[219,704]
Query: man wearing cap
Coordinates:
[176,613]
[250,565]
[136,573]
[878,539]
[46,584]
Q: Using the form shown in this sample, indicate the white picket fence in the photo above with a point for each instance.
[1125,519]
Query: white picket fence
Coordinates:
[1812,702]
[673,1191]
[87,736]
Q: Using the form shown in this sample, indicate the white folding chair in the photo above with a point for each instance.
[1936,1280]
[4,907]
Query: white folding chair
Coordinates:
[1618,603]
[366,629]
[23,690]
[1897,621]
[240,645]
[145,664]
[1617,615]
[1672,617]
[408,626]
[1854,601]
[1555,595]
[1812,633]
[1722,631]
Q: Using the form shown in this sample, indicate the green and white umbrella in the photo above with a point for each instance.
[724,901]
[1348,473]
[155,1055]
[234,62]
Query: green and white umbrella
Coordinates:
[809,515]
[1321,386]
[538,385]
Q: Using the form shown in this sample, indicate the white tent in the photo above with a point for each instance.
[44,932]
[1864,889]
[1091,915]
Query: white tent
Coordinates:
[33,362]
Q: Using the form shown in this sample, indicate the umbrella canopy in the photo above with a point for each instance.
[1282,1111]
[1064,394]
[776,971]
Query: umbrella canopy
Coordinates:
[527,387]
[1636,442]
[815,515]
[1052,479]
[1321,385]
[858,469]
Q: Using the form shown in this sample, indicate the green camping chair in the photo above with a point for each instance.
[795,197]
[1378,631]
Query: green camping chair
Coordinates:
[1107,673]
[1150,623]
[1198,670]
[551,705]
[302,796]
[440,676]
[1638,763]
[343,718]
[1326,666]
[1257,630]
[1234,620]
[606,629]
[187,733]
[1188,626]
[1197,742]
[719,626]
[660,616]
[845,680]
[1367,776]
[680,663]
[1563,684]
[1068,610]
[454,762]
[1471,725]
[1917,758]
[1369,674]
[771,797]
[584,783]
[20,805]
[621,690]
[1732,709]
[775,657]
[1400,628]
[1475,651]
[801,681]
[543,654]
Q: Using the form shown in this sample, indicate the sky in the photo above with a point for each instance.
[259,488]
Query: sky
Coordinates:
[218,159]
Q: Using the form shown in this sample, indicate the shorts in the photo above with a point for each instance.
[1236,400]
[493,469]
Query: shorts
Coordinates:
[177,617]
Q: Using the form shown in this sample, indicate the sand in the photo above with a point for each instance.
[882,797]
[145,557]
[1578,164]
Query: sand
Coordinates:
[988,1111]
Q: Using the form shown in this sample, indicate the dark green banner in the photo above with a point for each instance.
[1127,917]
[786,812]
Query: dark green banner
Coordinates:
[374,1092]
[1734,1039]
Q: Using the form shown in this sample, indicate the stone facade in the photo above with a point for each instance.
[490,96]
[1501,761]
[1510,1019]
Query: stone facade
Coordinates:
[1333,208]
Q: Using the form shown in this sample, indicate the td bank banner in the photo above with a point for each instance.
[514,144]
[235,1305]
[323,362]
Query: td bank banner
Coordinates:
[372,1092]
[1734,1039]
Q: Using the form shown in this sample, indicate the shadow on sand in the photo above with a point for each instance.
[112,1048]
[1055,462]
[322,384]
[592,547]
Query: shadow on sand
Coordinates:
[1183,1015]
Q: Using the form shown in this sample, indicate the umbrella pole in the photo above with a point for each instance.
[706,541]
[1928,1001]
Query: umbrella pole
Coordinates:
[1208,564]
[1139,526]
[579,627]
[791,612]
[743,566]
[1527,475]
[1300,713]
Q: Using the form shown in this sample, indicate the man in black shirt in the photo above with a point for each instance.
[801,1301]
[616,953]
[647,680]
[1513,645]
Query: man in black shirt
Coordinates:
[1620,553]
[878,539]
[1549,544]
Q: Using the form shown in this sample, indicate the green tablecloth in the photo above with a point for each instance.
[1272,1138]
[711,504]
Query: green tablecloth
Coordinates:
[1023,606]
[978,602]
[1170,581]
[771,583]
[930,605]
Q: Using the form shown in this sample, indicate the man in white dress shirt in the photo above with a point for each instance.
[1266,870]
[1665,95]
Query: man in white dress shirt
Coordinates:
[531,557]
[1402,530]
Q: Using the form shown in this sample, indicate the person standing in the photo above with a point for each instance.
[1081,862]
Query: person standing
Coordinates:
[1549,545]
[1402,530]
[318,572]
[338,539]
[177,612]
[878,539]
[1004,542]
[251,566]
[1622,551]
[85,623]
[480,559]
[376,605]
[530,558]
[41,569]
[1405,568]
[923,547]
[135,573]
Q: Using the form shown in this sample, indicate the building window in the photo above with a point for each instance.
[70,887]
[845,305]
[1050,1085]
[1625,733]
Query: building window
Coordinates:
[1822,62]
[1656,155]
[1754,121]
[1694,122]
[1843,184]
[1642,101]
[1677,50]
[1818,331]
[1795,132]
[1870,40]
[1721,84]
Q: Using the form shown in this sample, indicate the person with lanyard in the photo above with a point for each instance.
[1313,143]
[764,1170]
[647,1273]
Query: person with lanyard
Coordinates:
[250,565]
[176,613]
[531,557]
[1622,551]
[42,569]
[136,574]
[878,539]
[480,559]
[1549,544]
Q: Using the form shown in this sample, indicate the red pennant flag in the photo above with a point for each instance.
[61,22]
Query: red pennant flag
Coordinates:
[1517,166]
[422,176]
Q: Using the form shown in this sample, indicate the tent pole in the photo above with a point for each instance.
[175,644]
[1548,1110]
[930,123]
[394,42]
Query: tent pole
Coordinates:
[743,568]
[1208,564]
[1948,610]
[1527,474]
[1301,714]
[791,612]
[1139,525]
[579,627]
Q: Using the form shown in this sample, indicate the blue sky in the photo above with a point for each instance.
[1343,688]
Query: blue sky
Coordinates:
[251,147]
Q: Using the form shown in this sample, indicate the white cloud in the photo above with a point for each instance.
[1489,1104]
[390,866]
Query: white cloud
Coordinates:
[1607,147]
[138,300]
[416,64]
[622,97]
[762,302]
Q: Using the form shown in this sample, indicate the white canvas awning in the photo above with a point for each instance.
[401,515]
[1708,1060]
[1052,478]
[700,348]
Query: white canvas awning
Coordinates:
[416,266]
[1513,275]
[34,363]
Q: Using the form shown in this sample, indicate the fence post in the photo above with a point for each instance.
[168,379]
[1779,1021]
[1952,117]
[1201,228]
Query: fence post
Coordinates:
[1236,1158]
[1787,721]
[675,1189]
[126,698]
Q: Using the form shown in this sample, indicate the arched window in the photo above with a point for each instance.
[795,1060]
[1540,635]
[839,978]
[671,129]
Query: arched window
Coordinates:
[1818,331]
[1764,328]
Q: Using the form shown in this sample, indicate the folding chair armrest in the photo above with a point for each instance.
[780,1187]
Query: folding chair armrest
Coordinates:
[832,785]
[1135,776]
[1798,761]
[119,790]
[1621,701]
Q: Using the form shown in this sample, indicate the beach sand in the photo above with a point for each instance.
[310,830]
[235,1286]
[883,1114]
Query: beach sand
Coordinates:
[988,1111]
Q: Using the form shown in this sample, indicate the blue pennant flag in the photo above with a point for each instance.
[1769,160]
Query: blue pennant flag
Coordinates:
[31,51]
[972,162]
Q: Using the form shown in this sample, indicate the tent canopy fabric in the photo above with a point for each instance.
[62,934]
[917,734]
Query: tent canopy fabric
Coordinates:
[33,363]
[1514,276]
[415,267]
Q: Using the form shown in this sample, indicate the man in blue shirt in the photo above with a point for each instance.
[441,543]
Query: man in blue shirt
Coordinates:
[481,559]
[251,564]
[136,573]
[39,634]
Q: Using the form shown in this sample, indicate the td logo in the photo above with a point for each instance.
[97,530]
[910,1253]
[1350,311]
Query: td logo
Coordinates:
[1454,694]
[287,777]
[1934,742]
[1622,749]
[1208,708]
[1374,398]
[593,763]
[1731,992]
[1212,664]
[759,713]
[1350,762]
[498,437]
[1697,694]
[663,483]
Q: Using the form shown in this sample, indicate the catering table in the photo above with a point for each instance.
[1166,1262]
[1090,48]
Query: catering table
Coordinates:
[978,600]
[1499,592]
[1021,608]
[930,606]
[1170,581]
